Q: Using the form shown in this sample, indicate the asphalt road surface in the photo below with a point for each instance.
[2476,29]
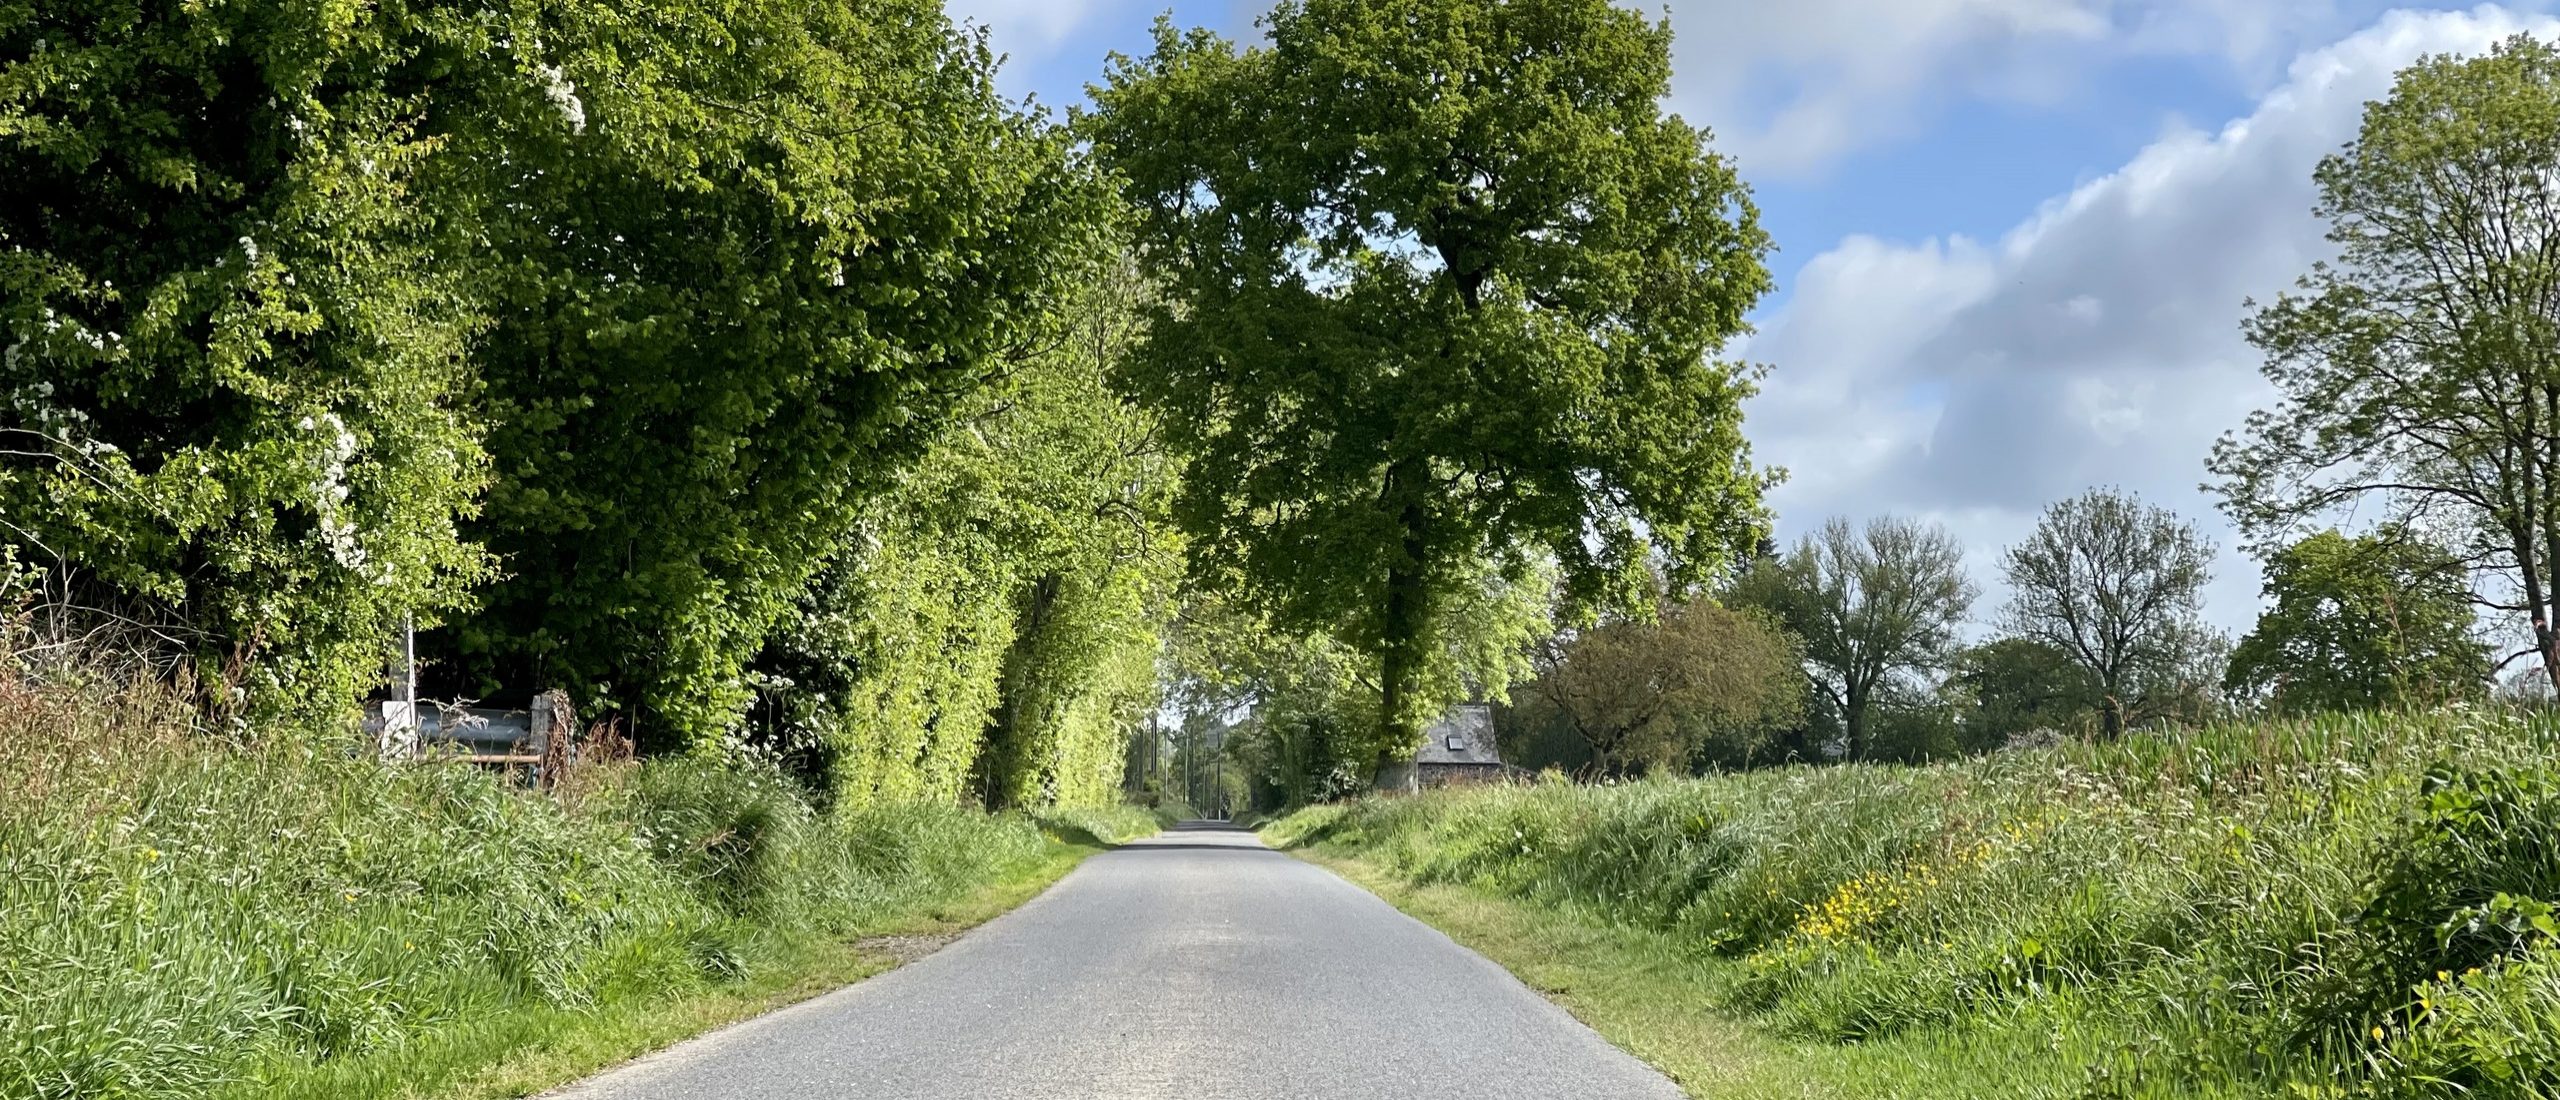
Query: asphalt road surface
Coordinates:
[1196,965]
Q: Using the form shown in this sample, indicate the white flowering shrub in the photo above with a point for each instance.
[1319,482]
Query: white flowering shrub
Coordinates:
[231,353]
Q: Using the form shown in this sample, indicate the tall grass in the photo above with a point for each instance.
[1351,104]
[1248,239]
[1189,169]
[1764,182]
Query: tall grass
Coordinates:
[179,914]
[2353,906]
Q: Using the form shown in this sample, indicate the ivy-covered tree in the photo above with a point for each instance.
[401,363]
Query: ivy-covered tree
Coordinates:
[992,625]
[746,269]
[1444,286]
[2354,623]
[233,327]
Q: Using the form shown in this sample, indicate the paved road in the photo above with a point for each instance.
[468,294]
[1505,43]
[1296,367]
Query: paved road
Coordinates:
[1197,965]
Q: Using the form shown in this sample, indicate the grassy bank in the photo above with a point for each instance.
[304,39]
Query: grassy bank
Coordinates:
[180,918]
[2346,907]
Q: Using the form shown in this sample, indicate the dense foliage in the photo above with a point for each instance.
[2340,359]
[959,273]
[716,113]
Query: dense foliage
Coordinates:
[2362,622]
[731,299]
[1444,285]
[685,357]
[232,339]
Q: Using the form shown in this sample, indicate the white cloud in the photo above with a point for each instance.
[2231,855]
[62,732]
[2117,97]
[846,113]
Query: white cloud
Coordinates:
[1792,86]
[2097,343]
[1030,28]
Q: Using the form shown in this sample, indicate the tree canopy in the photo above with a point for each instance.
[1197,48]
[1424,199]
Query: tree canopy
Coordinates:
[1444,285]
[2420,372]
[2116,584]
[1659,695]
[2355,623]
[1870,604]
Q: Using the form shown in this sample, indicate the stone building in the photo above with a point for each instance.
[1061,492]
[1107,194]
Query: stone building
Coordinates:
[1459,749]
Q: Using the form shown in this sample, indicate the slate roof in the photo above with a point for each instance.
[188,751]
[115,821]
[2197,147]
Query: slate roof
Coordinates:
[1462,736]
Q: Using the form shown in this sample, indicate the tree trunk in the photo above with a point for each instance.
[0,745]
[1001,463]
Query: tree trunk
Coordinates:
[1855,719]
[1006,758]
[1406,618]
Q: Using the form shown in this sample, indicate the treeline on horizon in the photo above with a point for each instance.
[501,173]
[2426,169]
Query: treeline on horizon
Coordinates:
[762,376]
[1850,646]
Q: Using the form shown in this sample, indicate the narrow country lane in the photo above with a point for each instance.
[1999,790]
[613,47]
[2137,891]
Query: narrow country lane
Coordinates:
[1197,965]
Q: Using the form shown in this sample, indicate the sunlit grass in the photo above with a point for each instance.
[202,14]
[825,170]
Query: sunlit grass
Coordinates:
[2303,908]
[183,918]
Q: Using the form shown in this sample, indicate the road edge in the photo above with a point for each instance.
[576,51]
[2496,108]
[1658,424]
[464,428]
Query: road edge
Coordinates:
[1600,976]
[544,1051]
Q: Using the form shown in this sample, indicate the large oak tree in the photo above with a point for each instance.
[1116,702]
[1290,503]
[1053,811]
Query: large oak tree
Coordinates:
[1444,285]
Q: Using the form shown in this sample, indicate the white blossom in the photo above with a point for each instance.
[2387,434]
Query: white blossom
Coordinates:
[564,98]
[329,494]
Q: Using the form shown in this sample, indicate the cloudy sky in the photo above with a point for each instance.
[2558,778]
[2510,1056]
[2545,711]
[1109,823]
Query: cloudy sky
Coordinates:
[2015,236]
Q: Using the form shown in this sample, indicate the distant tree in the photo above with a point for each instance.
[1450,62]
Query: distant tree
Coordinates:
[1650,696]
[1445,287]
[2420,373]
[1870,603]
[2362,622]
[2116,584]
[2017,685]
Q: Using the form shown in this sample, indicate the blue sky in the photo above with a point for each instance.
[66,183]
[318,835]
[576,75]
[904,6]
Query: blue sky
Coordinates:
[2015,235]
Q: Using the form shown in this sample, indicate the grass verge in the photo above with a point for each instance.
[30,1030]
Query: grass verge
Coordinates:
[183,916]
[1634,987]
[527,1050]
[2348,907]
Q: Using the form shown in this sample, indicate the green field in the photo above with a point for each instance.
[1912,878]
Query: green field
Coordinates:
[2342,907]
